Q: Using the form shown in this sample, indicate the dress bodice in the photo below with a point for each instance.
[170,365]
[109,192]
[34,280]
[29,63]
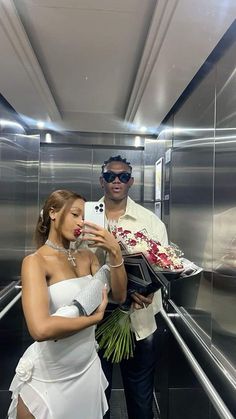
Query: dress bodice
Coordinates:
[62,292]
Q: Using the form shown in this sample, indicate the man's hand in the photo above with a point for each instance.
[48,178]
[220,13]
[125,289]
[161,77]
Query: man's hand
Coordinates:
[140,301]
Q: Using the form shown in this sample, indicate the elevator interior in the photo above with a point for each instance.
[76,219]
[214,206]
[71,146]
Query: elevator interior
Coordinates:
[197,144]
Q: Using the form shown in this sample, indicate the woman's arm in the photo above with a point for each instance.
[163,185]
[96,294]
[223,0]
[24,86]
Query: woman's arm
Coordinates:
[42,326]
[105,240]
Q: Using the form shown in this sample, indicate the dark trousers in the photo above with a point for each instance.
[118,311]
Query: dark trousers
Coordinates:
[138,378]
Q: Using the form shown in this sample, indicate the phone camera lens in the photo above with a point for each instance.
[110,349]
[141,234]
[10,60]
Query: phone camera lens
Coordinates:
[101,210]
[101,205]
[97,208]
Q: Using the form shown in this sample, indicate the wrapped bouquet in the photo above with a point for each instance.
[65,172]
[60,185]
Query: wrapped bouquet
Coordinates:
[144,258]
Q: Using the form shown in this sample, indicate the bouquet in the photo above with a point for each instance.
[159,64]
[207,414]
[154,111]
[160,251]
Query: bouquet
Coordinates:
[144,258]
[160,257]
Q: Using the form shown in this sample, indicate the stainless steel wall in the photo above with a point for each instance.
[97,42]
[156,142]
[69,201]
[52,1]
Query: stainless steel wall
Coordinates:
[19,156]
[203,203]
[76,165]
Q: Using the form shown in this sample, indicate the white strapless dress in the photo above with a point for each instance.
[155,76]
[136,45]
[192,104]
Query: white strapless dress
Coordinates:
[62,379]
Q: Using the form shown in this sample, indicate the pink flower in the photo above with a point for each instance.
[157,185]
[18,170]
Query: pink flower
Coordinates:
[139,234]
[126,232]
[164,257]
[132,242]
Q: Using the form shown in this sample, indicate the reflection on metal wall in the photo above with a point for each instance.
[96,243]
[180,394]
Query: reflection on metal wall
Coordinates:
[18,200]
[191,221]
[192,198]
[78,168]
[224,221]
[32,145]
[65,167]
[203,202]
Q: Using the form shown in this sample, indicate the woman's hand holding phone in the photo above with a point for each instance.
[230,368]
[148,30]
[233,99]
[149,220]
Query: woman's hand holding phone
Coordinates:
[98,236]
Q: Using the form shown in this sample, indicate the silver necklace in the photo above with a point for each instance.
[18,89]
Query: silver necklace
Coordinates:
[70,257]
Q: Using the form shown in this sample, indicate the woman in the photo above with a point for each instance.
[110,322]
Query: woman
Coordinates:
[60,374]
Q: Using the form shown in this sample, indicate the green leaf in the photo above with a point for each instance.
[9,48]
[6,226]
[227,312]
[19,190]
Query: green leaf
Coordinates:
[115,336]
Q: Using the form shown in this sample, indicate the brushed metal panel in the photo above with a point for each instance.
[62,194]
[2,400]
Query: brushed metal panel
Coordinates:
[190,220]
[191,193]
[203,201]
[93,139]
[224,226]
[32,145]
[225,90]
[78,168]
[15,170]
[191,199]
[65,167]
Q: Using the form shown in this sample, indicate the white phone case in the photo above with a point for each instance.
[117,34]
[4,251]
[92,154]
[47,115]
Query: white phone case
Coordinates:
[95,212]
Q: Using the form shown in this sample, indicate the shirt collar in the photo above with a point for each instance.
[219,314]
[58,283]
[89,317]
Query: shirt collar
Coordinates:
[131,209]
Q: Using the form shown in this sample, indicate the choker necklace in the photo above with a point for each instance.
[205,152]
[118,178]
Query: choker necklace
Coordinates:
[70,257]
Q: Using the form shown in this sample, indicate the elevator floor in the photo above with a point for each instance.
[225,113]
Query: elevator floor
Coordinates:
[118,406]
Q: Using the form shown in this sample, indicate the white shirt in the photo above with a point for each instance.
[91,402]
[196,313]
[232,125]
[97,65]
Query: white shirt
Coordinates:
[137,218]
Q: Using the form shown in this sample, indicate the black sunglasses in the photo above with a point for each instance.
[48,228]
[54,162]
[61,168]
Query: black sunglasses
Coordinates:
[123,177]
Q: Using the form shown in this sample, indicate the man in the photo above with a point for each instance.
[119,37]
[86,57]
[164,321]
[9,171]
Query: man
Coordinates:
[137,372]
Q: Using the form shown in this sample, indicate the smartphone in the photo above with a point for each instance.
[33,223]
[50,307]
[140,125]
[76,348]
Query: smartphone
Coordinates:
[94,212]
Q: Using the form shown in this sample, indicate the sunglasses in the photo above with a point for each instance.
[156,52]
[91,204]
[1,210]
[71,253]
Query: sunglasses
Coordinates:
[123,177]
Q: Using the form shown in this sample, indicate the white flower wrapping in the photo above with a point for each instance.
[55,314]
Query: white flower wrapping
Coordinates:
[24,369]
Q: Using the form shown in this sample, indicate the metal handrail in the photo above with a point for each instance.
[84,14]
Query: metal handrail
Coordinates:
[7,289]
[10,305]
[213,395]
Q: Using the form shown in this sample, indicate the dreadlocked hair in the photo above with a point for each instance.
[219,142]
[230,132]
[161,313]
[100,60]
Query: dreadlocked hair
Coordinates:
[116,158]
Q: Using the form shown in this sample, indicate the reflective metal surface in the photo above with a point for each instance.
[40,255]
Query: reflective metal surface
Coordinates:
[214,396]
[65,167]
[19,199]
[203,203]
[224,225]
[78,167]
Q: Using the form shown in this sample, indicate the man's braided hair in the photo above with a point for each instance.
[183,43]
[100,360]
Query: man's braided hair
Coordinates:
[116,158]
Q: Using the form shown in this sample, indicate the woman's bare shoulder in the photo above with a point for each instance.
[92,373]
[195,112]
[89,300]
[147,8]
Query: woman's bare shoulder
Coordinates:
[33,259]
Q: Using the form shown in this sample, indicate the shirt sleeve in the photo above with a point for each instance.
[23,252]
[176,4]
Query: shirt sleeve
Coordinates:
[159,232]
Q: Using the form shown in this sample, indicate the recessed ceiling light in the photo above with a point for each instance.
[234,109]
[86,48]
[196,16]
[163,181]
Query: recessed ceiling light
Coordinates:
[143,129]
[40,124]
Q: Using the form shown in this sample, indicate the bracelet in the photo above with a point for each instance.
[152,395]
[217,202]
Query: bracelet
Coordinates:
[117,266]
